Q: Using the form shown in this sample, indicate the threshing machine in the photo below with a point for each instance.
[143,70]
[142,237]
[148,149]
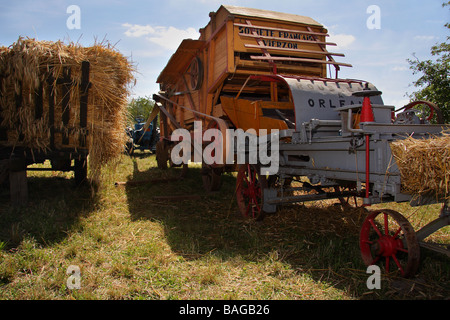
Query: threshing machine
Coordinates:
[256,69]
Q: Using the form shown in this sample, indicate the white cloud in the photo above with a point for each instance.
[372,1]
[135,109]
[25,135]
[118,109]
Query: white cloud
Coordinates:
[342,40]
[168,38]
[425,38]
[171,37]
[136,31]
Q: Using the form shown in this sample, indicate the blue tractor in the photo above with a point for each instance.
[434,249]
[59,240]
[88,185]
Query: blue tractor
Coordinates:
[141,137]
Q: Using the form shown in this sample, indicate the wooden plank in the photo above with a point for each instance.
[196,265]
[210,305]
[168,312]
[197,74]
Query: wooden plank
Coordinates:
[84,91]
[220,54]
[288,40]
[18,97]
[230,46]
[249,66]
[284,30]
[270,15]
[66,82]
[149,181]
[213,87]
[51,106]
[167,113]
[210,66]
[301,60]
[3,131]
[261,45]
[18,187]
[38,102]
[329,56]
[4,170]
[295,50]
[178,197]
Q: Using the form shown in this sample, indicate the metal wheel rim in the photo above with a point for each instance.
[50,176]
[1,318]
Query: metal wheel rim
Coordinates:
[394,241]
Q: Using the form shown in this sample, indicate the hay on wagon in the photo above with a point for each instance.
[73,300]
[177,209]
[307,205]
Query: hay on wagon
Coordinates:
[25,69]
[424,165]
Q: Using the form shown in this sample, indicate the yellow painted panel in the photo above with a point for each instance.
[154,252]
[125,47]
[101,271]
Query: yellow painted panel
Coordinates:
[246,114]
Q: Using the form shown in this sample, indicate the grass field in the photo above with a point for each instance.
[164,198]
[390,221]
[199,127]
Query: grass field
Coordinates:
[130,245]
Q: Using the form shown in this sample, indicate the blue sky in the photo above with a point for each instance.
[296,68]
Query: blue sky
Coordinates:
[148,32]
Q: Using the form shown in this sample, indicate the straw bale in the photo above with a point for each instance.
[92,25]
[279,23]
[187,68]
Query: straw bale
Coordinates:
[424,164]
[26,67]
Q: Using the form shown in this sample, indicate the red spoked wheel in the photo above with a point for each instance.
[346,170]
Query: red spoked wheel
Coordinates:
[249,191]
[387,235]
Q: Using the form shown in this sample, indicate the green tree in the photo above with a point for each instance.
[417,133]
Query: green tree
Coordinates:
[434,83]
[139,107]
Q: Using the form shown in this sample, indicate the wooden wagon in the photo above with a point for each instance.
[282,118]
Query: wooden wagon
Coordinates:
[63,103]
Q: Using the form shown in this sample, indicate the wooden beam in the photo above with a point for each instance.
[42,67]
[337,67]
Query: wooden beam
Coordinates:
[38,102]
[51,106]
[301,60]
[18,187]
[261,46]
[288,40]
[283,30]
[3,132]
[329,56]
[66,83]
[84,90]
[257,67]
[325,53]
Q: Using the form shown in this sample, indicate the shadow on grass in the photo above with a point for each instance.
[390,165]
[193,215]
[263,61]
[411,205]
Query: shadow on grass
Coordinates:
[321,240]
[312,240]
[54,207]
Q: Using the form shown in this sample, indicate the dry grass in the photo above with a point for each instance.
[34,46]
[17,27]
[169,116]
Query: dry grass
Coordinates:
[130,246]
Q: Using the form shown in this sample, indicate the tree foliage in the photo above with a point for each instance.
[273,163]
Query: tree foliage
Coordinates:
[139,107]
[434,82]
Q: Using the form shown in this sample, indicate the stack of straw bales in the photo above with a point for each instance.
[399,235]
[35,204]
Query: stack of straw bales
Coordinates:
[28,64]
[424,165]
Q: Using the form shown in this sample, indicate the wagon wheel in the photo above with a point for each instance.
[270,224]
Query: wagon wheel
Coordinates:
[388,235]
[249,191]
[211,178]
[196,73]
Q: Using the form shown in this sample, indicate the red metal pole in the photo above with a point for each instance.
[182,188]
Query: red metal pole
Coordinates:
[367,167]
